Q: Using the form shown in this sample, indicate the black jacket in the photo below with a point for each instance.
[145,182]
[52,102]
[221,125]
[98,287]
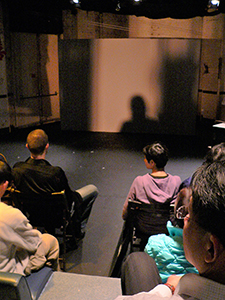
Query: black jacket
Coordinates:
[38,176]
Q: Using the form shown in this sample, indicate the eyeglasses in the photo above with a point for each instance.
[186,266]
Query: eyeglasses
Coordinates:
[181,212]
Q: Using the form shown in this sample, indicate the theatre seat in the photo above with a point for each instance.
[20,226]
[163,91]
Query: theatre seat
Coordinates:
[48,213]
[18,287]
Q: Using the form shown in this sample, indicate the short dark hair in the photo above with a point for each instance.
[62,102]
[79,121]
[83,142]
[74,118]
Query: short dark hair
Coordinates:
[208,193]
[5,172]
[217,152]
[37,141]
[158,153]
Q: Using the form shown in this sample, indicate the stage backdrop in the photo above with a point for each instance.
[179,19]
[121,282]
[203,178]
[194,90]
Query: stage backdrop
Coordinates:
[129,85]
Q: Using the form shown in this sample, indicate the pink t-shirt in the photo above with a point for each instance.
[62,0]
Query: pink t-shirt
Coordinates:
[148,189]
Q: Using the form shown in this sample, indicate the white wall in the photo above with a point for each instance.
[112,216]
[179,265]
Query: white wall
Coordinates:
[100,77]
[152,68]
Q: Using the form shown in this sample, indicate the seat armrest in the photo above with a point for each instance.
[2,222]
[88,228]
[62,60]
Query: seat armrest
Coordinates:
[18,287]
[37,281]
[13,287]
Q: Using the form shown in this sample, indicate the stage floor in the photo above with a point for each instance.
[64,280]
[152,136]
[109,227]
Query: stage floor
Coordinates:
[111,162]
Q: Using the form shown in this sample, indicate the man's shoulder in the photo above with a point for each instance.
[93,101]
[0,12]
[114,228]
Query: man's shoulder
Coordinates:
[21,164]
[18,164]
[39,163]
[200,287]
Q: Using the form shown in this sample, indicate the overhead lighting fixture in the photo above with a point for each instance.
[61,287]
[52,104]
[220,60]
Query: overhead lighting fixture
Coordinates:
[137,2]
[75,2]
[213,6]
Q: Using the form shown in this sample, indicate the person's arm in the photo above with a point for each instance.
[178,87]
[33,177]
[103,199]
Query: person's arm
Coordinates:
[177,189]
[64,185]
[172,282]
[25,236]
[161,291]
[125,207]
[131,195]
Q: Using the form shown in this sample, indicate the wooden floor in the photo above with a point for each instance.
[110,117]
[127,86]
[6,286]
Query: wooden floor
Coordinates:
[111,162]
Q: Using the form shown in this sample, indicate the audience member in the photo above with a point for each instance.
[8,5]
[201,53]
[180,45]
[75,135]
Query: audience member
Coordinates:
[22,248]
[217,152]
[157,190]
[168,251]
[204,247]
[37,176]
[157,186]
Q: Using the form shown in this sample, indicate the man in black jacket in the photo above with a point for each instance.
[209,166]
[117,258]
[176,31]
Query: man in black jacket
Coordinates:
[37,176]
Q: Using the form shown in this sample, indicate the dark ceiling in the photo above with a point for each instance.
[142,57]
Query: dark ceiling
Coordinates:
[36,16]
[154,9]
[45,16]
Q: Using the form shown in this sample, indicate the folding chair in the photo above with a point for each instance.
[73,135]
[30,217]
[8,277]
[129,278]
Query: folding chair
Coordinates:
[48,213]
[143,221]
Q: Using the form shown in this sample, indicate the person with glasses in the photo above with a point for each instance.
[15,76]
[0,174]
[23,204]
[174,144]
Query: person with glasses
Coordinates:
[168,250]
[204,247]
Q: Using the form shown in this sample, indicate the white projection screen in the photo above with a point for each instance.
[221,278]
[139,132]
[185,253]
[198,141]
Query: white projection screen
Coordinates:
[129,85]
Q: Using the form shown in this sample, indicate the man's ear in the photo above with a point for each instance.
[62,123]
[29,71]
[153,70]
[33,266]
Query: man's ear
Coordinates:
[47,146]
[27,146]
[213,248]
[151,163]
[5,185]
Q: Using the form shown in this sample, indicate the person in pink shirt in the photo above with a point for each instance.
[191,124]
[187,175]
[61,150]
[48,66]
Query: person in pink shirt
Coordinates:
[157,188]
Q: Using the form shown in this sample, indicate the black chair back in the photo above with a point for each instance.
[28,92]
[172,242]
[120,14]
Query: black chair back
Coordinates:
[48,213]
[143,220]
[43,211]
[148,219]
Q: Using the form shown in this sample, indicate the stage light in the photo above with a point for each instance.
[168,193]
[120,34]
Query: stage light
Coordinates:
[75,2]
[137,2]
[213,5]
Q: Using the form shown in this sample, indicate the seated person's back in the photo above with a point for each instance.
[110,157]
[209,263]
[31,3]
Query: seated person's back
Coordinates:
[39,177]
[36,175]
[157,187]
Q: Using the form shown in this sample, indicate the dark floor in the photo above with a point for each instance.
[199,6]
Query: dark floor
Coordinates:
[110,161]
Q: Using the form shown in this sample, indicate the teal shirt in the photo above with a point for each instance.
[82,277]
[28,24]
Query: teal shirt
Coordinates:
[168,253]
